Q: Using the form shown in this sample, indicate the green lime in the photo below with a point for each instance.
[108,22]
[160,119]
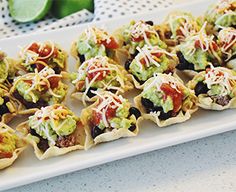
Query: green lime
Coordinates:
[62,8]
[29,10]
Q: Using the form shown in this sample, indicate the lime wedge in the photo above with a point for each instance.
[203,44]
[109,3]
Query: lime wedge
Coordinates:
[66,7]
[29,10]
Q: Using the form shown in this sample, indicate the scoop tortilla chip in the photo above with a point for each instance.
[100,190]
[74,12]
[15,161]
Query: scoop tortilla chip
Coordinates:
[20,146]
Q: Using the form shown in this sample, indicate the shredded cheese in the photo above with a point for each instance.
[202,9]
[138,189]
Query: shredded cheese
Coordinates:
[96,35]
[222,6]
[148,54]
[107,100]
[227,38]
[220,76]
[223,9]
[188,25]
[100,66]
[140,29]
[205,42]
[38,81]
[30,57]
[41,119]
[158,79]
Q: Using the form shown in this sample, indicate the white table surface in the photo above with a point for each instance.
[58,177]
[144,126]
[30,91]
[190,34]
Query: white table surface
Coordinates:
[207,164]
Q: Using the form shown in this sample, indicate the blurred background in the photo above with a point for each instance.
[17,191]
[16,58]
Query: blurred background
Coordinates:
[24,16]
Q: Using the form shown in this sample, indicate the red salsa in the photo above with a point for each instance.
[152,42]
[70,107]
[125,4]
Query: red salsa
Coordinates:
[102,73]
[176,96]
[111,44]
[110,113]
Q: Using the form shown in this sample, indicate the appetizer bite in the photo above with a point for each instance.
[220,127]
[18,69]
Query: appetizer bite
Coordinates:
[138,34]
[215,88]
[7,69]
[177,27]
[109,118]
[165,100]
[53,131]
[11,146]
[94,42]
[39,89]
[222,14]
[227,42]
[8,105]
[99,73]
[198,51]
[148,61]
[38,55]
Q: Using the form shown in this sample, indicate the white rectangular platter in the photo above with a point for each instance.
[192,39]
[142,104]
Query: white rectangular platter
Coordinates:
[28,169]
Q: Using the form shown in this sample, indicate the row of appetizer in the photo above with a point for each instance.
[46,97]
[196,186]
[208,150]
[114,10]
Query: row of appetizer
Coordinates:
[138,55]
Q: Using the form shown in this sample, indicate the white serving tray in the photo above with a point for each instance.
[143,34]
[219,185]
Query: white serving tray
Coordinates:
[28,169]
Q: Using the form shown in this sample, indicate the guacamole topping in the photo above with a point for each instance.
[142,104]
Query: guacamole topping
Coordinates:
[182,25]
[52,122]
[112,112]
[94,41]
[8,143]
[222,13]
[227,41]
[41,85]
[39,55]
[220,81]
[167,92]
[138,34]
[152,60]
[200,49]
[100,73]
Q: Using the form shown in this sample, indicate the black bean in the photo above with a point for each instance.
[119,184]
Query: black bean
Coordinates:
[81,58]
[10,79]
[168,34]
[149,22]
[3,108]
[149,106]
[134,111]
[113,90]
[132,127]
[147,103]
[135,53]
[6,99]
[43,144]
[89,93]
[33,66]
[95,131]
[224,57]
[156,109]
[183,63]
[57,69]
[164,116]
[132,56]
[40,103]
[200,88]
[127,64]
[233,57]
[140,81]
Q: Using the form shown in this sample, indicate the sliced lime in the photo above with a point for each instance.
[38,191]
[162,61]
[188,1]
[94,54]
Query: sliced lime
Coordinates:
[29,10]
[66,7]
